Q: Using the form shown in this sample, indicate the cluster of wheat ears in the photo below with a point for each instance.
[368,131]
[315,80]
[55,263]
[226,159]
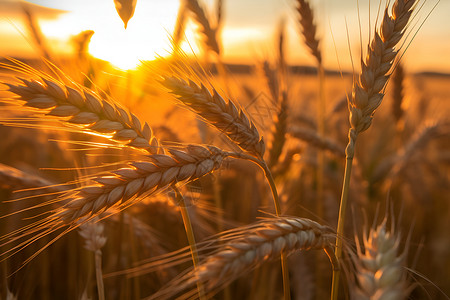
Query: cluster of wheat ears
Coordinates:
[134,205]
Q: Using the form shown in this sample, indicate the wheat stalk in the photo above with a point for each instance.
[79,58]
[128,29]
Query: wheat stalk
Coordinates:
[86,109]
[94,240]
[248,247]
[368,93]
[225,116]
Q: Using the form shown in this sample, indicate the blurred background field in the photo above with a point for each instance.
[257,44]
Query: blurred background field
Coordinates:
[404,163]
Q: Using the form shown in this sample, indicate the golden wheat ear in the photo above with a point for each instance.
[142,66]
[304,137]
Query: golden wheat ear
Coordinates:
[245,248]
[208,31]
[308,28]
[224,115]
[126,186]
[380,265]
[83,109]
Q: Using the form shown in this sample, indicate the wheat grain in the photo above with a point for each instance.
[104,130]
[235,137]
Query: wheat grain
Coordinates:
[367,96]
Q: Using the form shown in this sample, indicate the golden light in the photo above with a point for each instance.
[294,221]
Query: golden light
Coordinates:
[146,37]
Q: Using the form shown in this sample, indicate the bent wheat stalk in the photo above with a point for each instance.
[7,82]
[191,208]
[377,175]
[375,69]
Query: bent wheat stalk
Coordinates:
[248,247]
[368,94]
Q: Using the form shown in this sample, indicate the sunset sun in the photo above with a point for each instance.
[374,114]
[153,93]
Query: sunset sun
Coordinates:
[146,36]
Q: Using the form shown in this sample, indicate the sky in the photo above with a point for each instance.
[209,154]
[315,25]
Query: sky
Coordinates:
[248,34]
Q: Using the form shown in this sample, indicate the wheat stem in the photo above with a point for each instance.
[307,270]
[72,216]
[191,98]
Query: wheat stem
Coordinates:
[190,236]
[99,275]
[321,132]
[276,200]
[342,211]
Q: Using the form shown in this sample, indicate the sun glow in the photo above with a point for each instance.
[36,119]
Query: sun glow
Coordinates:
[146,37]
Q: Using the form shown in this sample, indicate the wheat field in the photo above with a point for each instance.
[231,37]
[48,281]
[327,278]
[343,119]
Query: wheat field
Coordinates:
[190,177]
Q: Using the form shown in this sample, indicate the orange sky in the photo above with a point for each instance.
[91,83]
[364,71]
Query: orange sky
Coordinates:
[248,33]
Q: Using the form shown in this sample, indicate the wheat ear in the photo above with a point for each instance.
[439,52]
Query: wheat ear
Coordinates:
[209,32]
[12,178]
[380,271]
[306,19]
[313,139]
[279,129]
[86,109]
[235,124]
[121,187]
[248,247]
[225,116]
[180,25]
[368,93]
[35,31]
[94,240]
[272,82]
